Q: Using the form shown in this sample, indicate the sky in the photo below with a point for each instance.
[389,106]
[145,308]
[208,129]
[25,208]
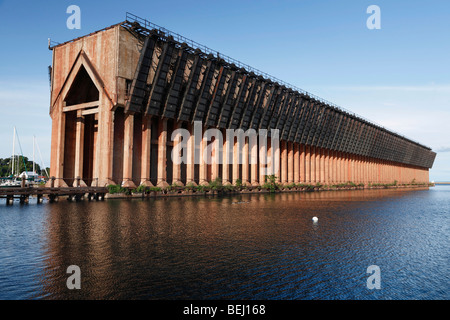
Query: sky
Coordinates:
[397,76]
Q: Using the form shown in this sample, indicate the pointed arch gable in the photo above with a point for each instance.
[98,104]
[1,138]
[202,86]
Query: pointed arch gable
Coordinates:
[81,61]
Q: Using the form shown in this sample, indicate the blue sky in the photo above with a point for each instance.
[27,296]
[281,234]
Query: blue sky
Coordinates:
[398,76]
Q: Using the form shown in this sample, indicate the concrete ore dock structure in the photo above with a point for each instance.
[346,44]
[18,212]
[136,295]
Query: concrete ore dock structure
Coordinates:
[118,95]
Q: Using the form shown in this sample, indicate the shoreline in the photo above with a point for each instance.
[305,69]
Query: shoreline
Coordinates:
[245,190]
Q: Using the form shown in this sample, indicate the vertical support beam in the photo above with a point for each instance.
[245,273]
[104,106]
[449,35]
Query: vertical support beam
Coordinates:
[245,163]
[327,166]
[335,178]
[262,158]
[79,151]
[176,167]
[127,179]
[226,159]
[290,162]
[322,166]
[236,160]
[104,144]
[215,162]
[308,164]
[162,154]
[302,163]
[339,167]
[146,151]
[284,163]
[296,151]
[254,165]
[60,137]
[190,165]
[203,168]
[313,166]
[346,168]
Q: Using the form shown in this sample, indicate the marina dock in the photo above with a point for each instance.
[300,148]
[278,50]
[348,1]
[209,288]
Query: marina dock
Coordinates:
[53,194]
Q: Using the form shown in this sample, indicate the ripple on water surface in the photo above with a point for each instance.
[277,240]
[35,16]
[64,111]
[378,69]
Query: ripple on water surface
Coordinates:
[242,247]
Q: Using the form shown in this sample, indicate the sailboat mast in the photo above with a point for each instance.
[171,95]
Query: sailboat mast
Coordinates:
[34,166]
[13,158]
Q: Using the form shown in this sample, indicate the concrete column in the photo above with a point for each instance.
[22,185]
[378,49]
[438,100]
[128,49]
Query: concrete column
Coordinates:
[104,143]
[79,151]
[357,169]
[60,138]
[322,166]
[337,168]
[215,162]
[162,154]
[254,165]
[128,151]
[146,151]
[296,151]
[262,160]
[345,167]
[190,165]
[236,160]
[313,165]
[245,163]
[203,167]
[319,165]
[275,154]
[302,163]
[227,149]
[327,166]
[307,164]
[335,177]
[290,162]
[176,167]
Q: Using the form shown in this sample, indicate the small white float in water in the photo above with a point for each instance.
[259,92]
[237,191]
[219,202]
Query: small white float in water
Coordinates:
[315,219]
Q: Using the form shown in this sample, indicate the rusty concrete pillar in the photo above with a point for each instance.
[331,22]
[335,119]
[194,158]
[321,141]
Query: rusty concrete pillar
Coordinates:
[335,175]
[60,149]
[103,143]
[318,152]
[162,154]
[203,167]
[296,151]
[236,160]
[313,165]
[307,164]
[254,164]
[146,151]
[176,167]
[322,166]
[215,161]
[245,162]
[275,158]
[263,147]
[327,166]
[290,162]
[127,180]
[190,165]
[284,162]
[302,169]
[79,149]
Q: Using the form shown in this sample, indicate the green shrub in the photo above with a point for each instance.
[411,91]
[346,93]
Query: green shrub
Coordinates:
[112,189]
[270,183]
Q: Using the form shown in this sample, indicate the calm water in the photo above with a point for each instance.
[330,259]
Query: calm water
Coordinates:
[243,247]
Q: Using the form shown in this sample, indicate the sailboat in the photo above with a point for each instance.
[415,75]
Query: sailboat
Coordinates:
[15,180]
[12,181]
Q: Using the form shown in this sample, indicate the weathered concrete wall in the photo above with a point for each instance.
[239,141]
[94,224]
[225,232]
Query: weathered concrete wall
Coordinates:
[130,128]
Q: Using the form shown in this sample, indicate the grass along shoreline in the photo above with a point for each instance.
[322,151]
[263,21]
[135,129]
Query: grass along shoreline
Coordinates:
[271,185]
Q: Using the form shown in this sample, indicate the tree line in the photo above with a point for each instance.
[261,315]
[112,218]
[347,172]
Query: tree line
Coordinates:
[23,164]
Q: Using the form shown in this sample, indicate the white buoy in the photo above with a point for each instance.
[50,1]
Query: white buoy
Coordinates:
[315,219]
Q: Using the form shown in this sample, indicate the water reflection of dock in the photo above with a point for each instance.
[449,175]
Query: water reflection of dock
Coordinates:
[53,194]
